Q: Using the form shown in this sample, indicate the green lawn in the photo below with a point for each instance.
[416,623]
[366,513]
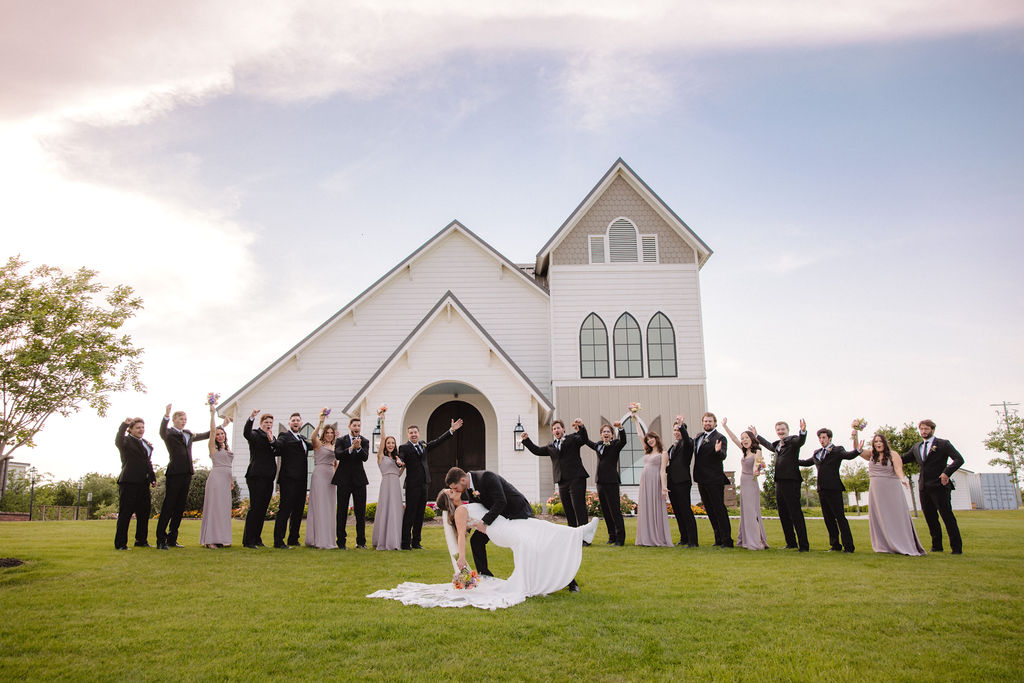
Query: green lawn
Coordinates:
[79,610]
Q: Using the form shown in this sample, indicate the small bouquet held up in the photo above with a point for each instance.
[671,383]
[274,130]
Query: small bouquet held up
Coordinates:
[759,468]
[383,409]
[212,398]
[859,424]
[635,407]
[325,412]
[465,579]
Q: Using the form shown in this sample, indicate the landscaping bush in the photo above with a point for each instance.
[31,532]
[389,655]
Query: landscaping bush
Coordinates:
[556,509]
[371,511]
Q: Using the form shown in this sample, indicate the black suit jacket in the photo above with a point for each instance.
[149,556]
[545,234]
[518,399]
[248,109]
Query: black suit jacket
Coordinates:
[828,466]
[608,460]
[136,462]
[292,451]
[943,458]
[787,455]
[707,462]
[679,456]
[417,468]
[566,464]
[350,465]
[498,496]
[179,447]
[262,452]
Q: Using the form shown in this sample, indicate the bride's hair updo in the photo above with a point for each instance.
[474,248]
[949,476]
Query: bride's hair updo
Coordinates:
[446,504]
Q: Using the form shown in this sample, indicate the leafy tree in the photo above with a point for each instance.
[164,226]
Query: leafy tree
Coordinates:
[1008,439]
[855,478]
[103,488]
[809,480]
[60,348]
[901,441]
[768,500]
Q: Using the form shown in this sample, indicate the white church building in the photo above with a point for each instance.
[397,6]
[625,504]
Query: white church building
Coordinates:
[610,312]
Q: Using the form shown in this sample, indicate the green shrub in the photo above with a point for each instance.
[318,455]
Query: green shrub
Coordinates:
[428,514]
[537,508]
[556,509]
[371,511]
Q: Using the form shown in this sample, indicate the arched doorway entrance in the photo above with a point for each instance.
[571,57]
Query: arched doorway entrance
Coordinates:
[467,449]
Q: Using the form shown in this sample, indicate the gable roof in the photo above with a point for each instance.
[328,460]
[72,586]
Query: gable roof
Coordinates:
[452,227]
[621,169]
[448,299]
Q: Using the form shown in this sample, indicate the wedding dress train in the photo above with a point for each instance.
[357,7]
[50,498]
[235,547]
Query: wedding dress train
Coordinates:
[546,558]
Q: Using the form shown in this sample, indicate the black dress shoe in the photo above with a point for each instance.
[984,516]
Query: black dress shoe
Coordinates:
[417,546]
[162,546]
[143,544]
[935,550]
[405,547]
[850,550]
[250,545]
[295,543]
[956,552]
[361,546]
[282,546]
[691,545]
[573,587]
[585,544]
[792,547]
[611,541]
[120,547]
[620,543]
[342,547]
[803,550]
[259,544]
[175,545]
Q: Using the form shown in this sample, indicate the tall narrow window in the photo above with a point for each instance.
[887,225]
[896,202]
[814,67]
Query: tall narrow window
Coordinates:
[661,347]
[629,355]
[622,242]
[631,457]
[593,347]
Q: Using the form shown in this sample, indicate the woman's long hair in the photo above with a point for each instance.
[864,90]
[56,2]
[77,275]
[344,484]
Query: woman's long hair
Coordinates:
[334,435]
[886,450]
[446,504]
[221,446]
[393,454]
[754,446]
[657,441]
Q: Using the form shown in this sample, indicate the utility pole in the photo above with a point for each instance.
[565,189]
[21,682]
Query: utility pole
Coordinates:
[1006,421]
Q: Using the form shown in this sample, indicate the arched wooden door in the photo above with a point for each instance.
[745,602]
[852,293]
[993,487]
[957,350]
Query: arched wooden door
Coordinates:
[466,449]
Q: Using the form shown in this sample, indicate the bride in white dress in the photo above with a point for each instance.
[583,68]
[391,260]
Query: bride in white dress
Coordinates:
[546,557]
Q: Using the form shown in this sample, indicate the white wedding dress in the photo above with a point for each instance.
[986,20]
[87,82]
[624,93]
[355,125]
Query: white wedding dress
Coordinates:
[546,557]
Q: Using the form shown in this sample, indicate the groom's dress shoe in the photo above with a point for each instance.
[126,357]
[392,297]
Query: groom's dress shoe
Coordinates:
[574,587]
[282,546]
[175,545]
[162,546]
[250,545]
[142,544]
[417,546]
[121,547]
[585,544]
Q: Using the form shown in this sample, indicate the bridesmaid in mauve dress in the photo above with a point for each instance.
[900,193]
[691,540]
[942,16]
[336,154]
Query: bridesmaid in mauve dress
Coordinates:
[215,531]
[322,521]
[387,523]
[889,523]
[651,514]
[751,535]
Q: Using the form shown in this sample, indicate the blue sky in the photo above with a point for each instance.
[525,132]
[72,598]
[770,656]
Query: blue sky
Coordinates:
[858,171]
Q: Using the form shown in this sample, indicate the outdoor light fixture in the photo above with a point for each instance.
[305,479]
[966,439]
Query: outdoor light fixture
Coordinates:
[517,435]
[376,436]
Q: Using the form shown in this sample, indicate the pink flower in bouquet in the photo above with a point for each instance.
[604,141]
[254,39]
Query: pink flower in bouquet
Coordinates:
[859,424]
[635,407]
[212,398]
[383,409]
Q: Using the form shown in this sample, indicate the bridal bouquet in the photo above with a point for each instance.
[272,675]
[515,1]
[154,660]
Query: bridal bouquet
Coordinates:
[759,468]
[635,407]
[383,409]
[859,424]
[325,412]
[212,398]
[465,579]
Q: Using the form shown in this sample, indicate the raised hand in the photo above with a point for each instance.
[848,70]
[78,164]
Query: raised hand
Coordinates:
[253,414]
[525,436]
[617,425]
[680,419]
[577,423]
[753,430]
[725,422]
[803,425]
[456,424]
[167,411]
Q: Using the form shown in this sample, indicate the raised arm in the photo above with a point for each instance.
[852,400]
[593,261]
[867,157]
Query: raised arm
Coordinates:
[534,448]
[319,430]
[732,437]
[119,438]
[213,429]
[864,453]
[383,440]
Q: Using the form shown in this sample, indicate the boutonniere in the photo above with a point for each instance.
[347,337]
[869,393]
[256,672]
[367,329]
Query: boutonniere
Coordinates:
[473,493]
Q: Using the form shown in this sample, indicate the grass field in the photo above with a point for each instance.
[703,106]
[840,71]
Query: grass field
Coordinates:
[79,610]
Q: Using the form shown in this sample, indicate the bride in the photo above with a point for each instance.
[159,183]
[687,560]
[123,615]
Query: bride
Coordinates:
[545,556]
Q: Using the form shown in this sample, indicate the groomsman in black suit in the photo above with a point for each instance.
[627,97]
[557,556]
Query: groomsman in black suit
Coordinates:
[137,477]
[608,480]
[351,451]
[178,476]
[788,482]
[260,476]
[938,460]
[709,450]
[292,478]
[494,493]
[680,454]
[417,477]
[567,468]
[827,459]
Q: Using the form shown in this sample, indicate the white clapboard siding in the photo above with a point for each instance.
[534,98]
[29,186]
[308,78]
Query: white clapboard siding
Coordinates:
[609,290]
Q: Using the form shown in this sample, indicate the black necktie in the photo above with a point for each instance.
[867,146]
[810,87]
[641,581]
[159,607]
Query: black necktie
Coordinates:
[419,449]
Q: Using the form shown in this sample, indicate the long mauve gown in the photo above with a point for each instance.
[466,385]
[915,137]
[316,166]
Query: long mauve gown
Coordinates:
[651,514]
[321,522]
[751,535]
[892,530]
[216,527]
[387,524]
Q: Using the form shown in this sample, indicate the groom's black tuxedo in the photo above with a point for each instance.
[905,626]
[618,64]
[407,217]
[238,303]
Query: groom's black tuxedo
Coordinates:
[500,498]
[787,487]
[941,458]
[709,474]
[350,480]
[292,479]
[830,493]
